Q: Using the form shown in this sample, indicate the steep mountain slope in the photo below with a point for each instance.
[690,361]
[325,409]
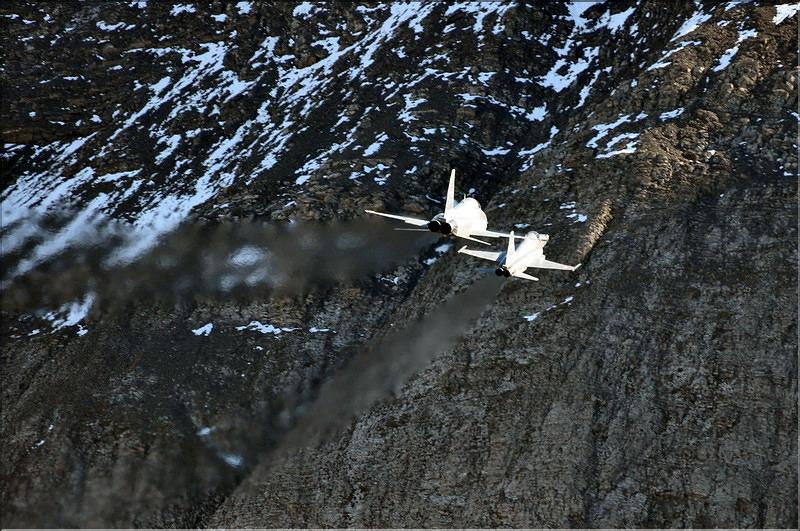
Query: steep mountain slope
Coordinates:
[654,141]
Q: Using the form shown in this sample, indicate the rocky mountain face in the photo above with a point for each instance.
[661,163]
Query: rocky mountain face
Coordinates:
[157,373]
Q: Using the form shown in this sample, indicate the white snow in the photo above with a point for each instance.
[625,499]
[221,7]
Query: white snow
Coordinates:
[570,205]
[258,326]
[71,313]
[671,114]
[784,11]
[75,231]
[172,143]
[303,10]
[691,24]
[537,114]
[315,330]
[222,17]
[204,330]
[399,15]
[235,85]
[535,149]
[662,63]
[232,459]
[244,7]
[618,138]
[247,256]
[376,146]
[495,151]
[481,10]
[330,44]
[177,9]
[630,147]
[725,58]
[109,27]
[559,82]
[587,89]
[576,11]
[529,153]
[604,129]
[439,250]
[587,54]
[531,317]
[410,103]
[615,22]
[734,3]
[443,248]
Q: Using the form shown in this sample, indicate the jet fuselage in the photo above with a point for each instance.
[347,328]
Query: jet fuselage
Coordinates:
[463,219]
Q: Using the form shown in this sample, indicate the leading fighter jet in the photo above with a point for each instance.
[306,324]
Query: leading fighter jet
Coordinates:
[464,219]
[515,261]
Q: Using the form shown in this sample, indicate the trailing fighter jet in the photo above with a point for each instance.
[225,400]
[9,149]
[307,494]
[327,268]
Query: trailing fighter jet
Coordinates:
[515,261]
[464,219]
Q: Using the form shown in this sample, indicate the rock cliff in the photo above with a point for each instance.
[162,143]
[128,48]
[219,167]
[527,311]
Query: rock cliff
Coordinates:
[381,379]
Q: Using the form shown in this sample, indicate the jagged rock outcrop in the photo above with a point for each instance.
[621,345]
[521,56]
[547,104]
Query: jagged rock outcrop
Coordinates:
[655,142]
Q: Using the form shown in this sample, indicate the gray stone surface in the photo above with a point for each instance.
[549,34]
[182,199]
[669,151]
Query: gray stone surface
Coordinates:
[654,387]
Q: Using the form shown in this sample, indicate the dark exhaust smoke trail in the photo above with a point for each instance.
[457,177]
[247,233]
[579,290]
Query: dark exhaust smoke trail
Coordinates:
[380,372]
[241,260]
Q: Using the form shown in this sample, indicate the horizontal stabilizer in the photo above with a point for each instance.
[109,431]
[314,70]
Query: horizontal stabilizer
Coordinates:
[525,276]
[486,255]
[493,234]
[410,221]
[470,238]
[547,264]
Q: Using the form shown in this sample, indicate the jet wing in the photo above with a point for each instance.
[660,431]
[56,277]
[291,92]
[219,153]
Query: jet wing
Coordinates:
[547,264]
[493,234]
[411,221]
[470,238]
[486,255]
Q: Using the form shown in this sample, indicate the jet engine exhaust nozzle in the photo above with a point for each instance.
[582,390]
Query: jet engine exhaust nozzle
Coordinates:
[440,226]
[502,272]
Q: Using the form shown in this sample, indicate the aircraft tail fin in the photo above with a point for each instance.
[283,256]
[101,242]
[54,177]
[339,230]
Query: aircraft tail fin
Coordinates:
[451,193]
[511,248]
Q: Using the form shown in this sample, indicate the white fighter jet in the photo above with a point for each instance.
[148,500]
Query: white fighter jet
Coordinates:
[464,219]
[515,261]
